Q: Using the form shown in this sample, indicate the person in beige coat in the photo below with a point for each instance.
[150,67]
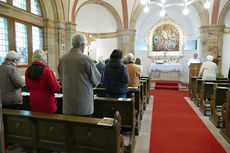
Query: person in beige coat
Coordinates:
[11,82]
[134,71]
[78,75]
[208,70]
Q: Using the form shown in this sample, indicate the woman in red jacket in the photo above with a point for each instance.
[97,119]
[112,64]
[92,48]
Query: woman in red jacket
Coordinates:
[42,84]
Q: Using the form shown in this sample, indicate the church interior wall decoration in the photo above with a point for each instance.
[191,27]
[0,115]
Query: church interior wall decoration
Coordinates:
[166,39]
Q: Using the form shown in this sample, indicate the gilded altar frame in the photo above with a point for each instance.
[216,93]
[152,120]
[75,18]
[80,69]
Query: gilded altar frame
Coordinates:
[166,31]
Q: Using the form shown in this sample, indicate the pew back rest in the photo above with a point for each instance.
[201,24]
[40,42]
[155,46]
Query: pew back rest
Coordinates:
[62,132]
[105,107]
[100,92]
[219,94]
[137,96]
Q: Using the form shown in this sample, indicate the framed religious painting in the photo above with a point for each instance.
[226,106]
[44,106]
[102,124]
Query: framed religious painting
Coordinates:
[166,39]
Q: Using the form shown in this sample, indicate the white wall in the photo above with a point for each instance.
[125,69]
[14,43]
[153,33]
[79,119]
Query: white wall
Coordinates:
[95,18]
[105,47]
[227,19]
[190,23]
[226,55]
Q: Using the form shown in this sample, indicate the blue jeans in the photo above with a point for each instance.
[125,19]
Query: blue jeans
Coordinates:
[116,96]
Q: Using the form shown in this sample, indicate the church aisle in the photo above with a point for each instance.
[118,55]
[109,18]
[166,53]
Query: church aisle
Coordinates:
[176,128]
[143,139]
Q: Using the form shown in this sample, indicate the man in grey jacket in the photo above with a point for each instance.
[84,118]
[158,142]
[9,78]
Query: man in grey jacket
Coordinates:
[78,75]
[11,82]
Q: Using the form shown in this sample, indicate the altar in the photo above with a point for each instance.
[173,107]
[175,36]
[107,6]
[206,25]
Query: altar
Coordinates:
[166,71]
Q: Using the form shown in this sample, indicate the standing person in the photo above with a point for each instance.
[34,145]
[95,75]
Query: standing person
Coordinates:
[115,76]
[78,75]
[100,66]
[42,84]
[194,59]
[134,71]
[11,82]
[138,62]
[208,70]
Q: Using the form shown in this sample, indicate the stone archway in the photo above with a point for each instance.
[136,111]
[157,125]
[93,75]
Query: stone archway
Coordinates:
[198,6]
[107,6]
[224,13]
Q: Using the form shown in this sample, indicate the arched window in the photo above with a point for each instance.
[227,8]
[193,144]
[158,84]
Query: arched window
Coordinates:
[20,4]
[35,7]
[19,35]
[4,41]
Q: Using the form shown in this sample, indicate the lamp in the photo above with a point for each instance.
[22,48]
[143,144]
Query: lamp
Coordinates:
[163,4]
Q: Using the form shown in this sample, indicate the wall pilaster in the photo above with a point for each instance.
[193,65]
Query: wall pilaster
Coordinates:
[126,40]
[212,43]
[70,29]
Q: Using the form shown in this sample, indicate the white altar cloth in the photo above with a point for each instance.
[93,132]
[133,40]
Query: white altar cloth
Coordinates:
[166,67]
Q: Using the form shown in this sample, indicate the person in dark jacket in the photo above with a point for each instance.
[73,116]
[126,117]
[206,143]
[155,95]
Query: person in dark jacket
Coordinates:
[42,84]
[11,82]
[100,65]
[115,76]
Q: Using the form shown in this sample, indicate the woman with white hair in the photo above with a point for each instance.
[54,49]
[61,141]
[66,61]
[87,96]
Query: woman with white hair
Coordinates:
[208,70]
[11,82]
[134,71]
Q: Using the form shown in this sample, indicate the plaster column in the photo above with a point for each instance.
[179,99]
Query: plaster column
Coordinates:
[212,43]
[70,29]
[126,40]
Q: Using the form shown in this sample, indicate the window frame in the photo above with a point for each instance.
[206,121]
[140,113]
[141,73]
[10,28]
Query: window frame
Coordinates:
[11,29]
[12,37]
[28,7]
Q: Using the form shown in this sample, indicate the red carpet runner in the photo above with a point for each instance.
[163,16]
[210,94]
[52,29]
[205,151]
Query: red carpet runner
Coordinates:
[173,85]
[176,128]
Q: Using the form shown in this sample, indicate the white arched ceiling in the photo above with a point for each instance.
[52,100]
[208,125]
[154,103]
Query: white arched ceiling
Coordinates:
[227,19]
[222,4]
[94,18]
[190,23]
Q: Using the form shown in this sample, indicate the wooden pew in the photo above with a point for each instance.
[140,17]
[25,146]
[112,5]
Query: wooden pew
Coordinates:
[198,83]
[148,87]
[143,93]
[226,117]
[205,95]
[70,134]
[100,92]
[217,101]
[138,106]
[105,107]
[192,85]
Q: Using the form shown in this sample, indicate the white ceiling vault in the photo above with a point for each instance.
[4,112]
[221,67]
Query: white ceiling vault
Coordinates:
[127,12]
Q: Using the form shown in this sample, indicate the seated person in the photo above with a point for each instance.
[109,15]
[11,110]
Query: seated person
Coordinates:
[134,71]
[194,59]
[42,84]
[115,76]
[11,82]
[208,70]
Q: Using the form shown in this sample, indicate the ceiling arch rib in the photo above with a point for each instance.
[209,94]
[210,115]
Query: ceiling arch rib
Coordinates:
[102,3]
[198,6]
[224,13]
